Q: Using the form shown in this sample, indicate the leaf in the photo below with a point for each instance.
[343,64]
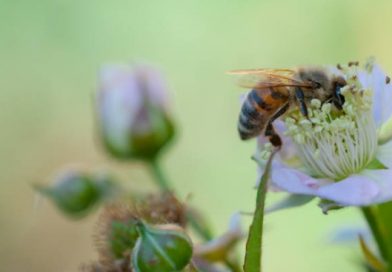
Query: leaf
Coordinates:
[371,259]
[290,201]
[255,238]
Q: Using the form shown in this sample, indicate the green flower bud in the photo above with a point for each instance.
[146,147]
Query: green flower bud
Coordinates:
[164,248]
[133,112]
[77,193]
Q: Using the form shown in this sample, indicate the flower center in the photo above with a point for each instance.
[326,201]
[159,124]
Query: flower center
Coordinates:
[335,144]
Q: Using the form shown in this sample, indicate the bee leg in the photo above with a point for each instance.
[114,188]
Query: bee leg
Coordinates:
[273,137]
[270,132]
[299,94]
[280,112]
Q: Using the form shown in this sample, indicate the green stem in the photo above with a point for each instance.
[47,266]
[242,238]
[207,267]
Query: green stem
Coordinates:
[377,231]
[158,175]
[199,226]
[254,243]
[164,185]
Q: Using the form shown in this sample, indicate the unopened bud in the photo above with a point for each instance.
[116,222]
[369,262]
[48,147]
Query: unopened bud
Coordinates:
[164,248]
[133,111]
[77,193]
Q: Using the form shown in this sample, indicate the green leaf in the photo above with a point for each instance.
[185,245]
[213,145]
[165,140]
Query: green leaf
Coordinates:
[290,201]
[371,259]
[255,238]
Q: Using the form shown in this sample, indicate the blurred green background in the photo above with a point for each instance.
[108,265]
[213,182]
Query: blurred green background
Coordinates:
[50,51]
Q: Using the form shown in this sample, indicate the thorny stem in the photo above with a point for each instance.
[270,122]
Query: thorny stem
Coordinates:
[378,233]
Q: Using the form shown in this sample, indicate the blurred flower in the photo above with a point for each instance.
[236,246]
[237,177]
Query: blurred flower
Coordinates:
[161,248]
[219,248]
[341,157]
[77,193]
[133,111]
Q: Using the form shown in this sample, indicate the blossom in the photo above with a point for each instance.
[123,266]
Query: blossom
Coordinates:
[133,111]
[208,255]
[342,157]
[217,249]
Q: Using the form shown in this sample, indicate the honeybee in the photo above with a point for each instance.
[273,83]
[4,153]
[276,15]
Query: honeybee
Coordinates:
[275,91]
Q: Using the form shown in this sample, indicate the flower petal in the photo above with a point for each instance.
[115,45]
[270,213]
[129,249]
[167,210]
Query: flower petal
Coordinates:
[294,181]
[382,92]
[218,248]
[357,190]
[384,154]
[352,191]
[383,180]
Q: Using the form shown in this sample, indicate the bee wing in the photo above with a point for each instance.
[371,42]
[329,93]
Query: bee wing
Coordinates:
[266,78]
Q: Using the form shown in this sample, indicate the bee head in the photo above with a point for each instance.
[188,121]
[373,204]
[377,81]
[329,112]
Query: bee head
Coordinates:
[317,76]
[338,99]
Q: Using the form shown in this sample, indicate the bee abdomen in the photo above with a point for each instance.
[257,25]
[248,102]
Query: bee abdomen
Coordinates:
[255,99]
[251,121]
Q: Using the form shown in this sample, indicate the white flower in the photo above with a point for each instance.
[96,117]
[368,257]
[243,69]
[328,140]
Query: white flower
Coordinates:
[343,157]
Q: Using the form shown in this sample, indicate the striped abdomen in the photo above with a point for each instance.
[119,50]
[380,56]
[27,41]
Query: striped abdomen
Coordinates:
[258,109]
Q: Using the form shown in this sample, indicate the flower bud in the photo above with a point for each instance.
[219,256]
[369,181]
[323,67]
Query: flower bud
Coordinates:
[164,248]
[77,193]
[133,114]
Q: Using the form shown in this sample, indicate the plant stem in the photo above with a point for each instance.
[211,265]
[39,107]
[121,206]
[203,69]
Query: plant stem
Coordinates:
[377,231]
[164,185]
[158,175]
[254,243]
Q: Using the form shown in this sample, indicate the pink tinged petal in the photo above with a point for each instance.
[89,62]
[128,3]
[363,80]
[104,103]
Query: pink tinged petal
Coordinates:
[296,182]
[352,191]
[382,97]
[384,154]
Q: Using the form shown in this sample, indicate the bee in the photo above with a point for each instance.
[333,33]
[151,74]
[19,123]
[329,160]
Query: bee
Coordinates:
[274,92]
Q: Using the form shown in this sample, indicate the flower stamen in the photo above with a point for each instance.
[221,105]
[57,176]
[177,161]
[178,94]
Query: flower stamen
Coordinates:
[335,144]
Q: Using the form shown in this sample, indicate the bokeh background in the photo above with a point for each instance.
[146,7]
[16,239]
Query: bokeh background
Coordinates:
[50,52]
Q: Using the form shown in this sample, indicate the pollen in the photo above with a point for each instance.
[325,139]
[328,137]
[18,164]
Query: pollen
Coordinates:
[334,143]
